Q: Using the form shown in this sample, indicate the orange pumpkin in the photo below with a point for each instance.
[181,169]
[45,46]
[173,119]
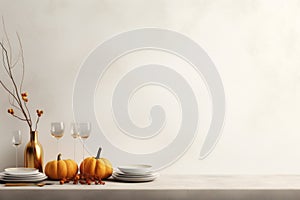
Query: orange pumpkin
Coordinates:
[60,169]
[96,167]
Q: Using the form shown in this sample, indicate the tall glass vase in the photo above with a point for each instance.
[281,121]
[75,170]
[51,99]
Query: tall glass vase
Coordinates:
[33,153]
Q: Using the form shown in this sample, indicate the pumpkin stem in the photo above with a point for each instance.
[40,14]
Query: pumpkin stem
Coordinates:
[98,154]
[59,157]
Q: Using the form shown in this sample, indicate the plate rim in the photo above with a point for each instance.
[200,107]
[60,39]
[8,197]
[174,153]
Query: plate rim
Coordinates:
[24,180]
[121,174]
[135,168]
[135,179]
[22,170]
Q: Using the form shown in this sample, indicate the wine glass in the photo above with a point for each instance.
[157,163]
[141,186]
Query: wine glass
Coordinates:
[84,129]
[57,131]
[16,141]
[74,134]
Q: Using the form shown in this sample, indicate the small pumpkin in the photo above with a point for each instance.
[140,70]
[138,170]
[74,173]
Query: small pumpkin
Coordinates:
[96,167]
[60,169]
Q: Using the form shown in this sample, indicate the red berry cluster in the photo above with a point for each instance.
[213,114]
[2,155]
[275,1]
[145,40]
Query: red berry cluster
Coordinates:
[83,180]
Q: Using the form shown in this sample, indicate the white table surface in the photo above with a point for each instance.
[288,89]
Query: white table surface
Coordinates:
[281,187]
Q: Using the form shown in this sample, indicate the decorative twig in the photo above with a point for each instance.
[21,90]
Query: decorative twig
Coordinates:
[22,59]
[3,59]
[12,102]
[36,123]
[19,117]
[17,98]
[39,114]
[9,91]
[28,113]
[16,61]
[16,90]
[7,39]
[5,56]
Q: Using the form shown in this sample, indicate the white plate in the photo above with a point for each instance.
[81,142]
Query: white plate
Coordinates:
[29,176]
[28,179]
[21,170]
[135,169]
[121,174]
[135,179]
[23,181]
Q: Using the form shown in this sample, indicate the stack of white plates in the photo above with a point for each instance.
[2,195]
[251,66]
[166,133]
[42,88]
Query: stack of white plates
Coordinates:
[23,175]
[135,173]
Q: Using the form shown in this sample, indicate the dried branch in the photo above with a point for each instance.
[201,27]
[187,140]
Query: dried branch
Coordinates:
[17,99]
[22,59]
[36,123]
[12,101]
[28,113]
[5,58]
[16,90]
[16,107]
[16,61]
[5,88]
[39,114]
[7,39]
[19,118]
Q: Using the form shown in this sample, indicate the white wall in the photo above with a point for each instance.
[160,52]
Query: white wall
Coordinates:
[254,44]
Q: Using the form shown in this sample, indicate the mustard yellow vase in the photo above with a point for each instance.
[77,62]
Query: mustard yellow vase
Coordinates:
[33,153]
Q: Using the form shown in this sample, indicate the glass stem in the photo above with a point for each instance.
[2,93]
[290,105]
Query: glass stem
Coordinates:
[74,147]
[16,156]
[57,146]
[82,157]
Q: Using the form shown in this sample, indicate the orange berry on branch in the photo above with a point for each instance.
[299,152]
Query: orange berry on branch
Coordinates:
[11,111]
[25,98]
[39,112]
[24,94]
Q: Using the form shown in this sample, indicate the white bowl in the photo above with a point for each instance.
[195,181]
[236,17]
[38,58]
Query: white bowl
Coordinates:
[135,169]
[21,170]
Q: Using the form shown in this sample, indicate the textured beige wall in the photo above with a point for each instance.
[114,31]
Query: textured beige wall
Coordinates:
[254,44]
